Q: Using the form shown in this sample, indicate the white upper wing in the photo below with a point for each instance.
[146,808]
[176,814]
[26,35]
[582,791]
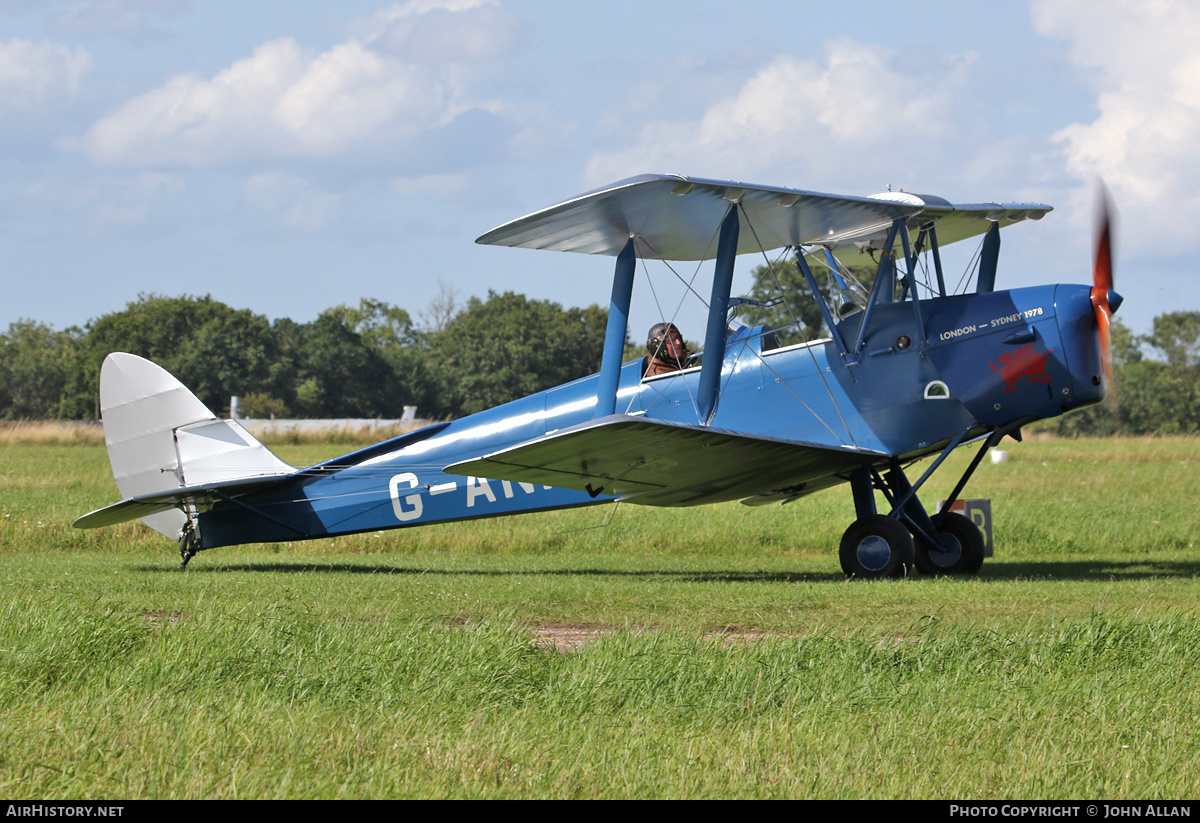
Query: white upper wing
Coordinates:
[676,218]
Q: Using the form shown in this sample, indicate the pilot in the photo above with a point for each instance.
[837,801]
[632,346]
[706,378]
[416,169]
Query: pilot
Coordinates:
[667,350]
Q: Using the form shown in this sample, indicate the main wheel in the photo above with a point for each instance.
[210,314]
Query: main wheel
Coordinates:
[961,552]
[876,546]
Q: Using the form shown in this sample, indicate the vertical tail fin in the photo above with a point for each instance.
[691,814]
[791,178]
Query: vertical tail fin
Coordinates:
[160,437]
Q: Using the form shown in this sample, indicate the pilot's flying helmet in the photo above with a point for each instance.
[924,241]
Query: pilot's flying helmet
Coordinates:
[655,343]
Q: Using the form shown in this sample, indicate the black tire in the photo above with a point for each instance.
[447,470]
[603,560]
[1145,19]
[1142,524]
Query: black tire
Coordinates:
[964,546]
[876,546]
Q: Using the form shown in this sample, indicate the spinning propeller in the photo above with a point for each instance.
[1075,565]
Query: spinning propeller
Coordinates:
[1104,300]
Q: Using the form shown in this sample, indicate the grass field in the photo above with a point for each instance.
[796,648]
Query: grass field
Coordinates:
[611,652]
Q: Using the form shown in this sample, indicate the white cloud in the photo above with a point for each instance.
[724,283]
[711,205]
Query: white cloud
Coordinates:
[349,95]
[34,73]
[1146,136]
[288,102]
[797,118]
[437,31]
[289,200]
[282,101]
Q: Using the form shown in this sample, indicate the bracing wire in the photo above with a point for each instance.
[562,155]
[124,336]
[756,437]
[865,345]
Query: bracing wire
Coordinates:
[679,307]
[804,339]
[659,310]
[969,270]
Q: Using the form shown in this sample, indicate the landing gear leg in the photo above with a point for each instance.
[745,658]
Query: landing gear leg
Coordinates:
[189,544]
[889,545]
[943,544]
[946,543]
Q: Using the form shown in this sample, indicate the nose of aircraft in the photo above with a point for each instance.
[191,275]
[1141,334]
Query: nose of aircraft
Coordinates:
[1084,343]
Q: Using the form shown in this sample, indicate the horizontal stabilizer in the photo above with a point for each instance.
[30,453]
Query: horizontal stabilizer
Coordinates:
[661,463]
[146,505]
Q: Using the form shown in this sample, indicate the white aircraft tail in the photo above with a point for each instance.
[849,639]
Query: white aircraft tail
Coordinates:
[161,438]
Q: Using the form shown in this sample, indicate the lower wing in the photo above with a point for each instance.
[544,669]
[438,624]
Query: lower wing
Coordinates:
[660,463]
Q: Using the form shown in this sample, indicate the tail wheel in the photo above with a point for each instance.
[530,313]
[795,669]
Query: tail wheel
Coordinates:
[876,546]
[961,551]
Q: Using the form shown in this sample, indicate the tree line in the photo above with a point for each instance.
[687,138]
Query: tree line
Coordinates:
[368,360]
[373,359]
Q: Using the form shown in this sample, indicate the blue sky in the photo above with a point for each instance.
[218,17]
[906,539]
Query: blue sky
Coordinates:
[289,156]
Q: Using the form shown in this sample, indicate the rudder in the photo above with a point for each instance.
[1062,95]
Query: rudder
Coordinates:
[160,438]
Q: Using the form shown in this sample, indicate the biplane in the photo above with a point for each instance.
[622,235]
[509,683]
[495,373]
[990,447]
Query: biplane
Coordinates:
[907,370]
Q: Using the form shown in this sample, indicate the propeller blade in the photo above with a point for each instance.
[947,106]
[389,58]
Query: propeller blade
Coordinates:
[1102,272]
[1102,282]
[1104,324]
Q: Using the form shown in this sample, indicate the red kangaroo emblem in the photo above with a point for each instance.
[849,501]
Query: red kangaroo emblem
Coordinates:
[1024,362]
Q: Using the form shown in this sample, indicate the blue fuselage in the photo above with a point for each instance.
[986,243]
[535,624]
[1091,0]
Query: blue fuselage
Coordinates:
[921,375]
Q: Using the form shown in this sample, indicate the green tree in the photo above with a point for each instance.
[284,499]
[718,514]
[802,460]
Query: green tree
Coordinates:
[1126,346]
[391,332]
[1149,396]
[340,374]
[36,367]
[378,323]
[1177,336]
[1153,396]
[214,350]
[507,347]
[262,406]
[1159,398]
